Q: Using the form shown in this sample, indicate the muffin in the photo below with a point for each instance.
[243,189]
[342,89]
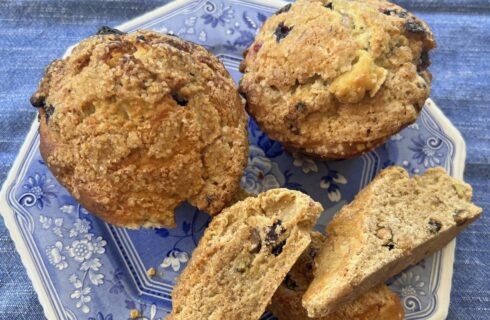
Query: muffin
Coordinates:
[334,79]
[135,124]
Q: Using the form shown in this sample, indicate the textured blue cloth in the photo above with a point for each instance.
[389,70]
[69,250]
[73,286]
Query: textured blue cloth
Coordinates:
[32,33]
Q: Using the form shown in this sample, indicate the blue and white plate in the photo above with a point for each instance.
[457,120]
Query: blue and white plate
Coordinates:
[83,268]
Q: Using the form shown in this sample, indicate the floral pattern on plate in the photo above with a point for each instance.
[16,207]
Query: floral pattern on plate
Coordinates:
[88,269]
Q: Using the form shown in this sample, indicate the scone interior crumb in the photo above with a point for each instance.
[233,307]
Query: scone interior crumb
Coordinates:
[244,256]
[393,223]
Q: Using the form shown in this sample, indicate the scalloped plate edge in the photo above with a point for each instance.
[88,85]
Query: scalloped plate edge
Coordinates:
[443,292]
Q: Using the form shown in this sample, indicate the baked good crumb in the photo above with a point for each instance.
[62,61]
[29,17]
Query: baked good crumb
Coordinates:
[393,223]
[244,255]
[378,303]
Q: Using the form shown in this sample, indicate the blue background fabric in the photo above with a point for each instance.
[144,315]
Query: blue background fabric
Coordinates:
[32,33]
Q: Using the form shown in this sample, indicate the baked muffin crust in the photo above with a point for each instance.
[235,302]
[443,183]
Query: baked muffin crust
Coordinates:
[336,78]
[135,124]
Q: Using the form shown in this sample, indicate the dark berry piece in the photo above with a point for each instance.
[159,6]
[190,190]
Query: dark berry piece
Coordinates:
[273,232]
[277,249]
[283,9]
[424,61]
[48,110]
[300,106]
[38,101]
[181,101]
[414,27]
[108,30]
[390,245]
[256,241]
[282,31]
[290,283]
[329,5]
[141,38]
[434,226]
[257,47]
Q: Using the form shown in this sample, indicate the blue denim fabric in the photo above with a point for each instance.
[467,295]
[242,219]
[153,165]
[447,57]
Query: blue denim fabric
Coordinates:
[32,33]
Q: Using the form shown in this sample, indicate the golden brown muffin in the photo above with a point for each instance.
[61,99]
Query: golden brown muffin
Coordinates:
[379,303]
[135,124]
[334,79]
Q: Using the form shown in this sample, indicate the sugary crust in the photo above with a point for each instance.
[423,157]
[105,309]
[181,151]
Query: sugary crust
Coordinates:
[235,269]
[135,124]
[393,223]
[337,78]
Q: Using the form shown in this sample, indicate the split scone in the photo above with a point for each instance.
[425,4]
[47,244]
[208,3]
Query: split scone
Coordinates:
[244,255]
[394,222]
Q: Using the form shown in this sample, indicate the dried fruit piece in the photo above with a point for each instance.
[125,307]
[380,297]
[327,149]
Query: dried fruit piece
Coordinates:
[434,226]
[257,47]
[49,110]
[283,9]
[390,245]
[181,101]
[273,232]
[282,31]
[329,5]
[108,30]
[277,249]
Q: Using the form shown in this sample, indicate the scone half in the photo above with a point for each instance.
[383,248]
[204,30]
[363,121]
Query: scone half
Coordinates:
[379,303]
[244,255]
[393,223]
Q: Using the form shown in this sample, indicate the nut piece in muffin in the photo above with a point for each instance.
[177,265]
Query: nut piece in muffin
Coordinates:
[135,124]
[334,79]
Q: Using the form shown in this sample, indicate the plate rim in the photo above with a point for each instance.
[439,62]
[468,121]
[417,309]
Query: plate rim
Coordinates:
[458,165]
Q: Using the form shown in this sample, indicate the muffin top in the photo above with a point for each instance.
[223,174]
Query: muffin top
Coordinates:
[336,78]
[135,124]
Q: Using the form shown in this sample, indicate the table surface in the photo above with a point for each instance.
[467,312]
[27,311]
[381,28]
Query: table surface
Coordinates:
[32,33]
